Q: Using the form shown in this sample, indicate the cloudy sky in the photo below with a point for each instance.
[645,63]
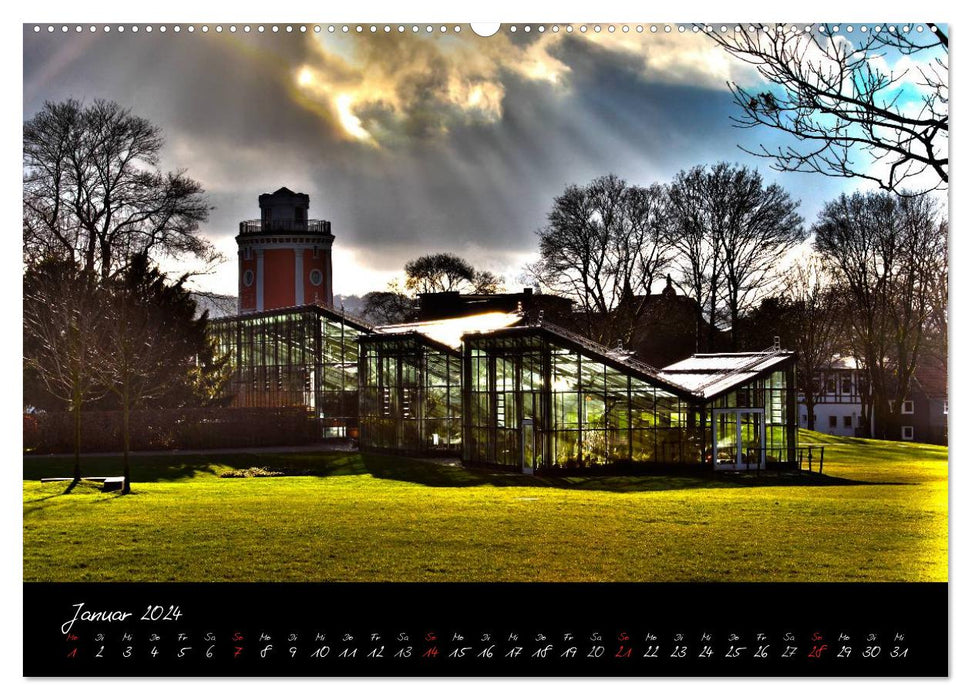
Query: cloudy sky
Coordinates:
[413,142]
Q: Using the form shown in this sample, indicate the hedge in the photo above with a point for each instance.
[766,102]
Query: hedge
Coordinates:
[171,429]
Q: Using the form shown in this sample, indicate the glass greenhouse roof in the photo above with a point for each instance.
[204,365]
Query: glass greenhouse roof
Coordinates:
[710,374]
[449,331]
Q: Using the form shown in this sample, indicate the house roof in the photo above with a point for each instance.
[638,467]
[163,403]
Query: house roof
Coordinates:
[843,362]
[708,375]
[931,379]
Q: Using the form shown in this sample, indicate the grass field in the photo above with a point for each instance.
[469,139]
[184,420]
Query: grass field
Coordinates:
[879,513]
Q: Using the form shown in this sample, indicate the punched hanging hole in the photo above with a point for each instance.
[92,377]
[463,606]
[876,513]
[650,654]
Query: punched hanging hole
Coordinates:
[485,29]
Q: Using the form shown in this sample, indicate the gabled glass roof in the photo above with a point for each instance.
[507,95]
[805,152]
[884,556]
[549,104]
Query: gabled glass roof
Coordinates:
[707,375]
[449,331]
[295,311]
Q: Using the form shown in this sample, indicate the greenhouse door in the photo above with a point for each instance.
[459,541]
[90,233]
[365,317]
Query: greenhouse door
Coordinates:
[738,439]
[528,442]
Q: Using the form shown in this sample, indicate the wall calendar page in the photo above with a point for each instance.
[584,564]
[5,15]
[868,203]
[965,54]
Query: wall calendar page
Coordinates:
[565,349]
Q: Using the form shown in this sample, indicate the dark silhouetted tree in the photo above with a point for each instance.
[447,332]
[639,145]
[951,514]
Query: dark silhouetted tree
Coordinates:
[603,247]
[846,110]
[64,335]
[93,192]
[485,282]
[156,348]
[935,339]
[731,232]
[817,314]
[890,255]
[388,307]
[440,272]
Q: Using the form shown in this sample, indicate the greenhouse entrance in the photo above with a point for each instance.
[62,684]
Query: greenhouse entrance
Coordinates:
[739,439]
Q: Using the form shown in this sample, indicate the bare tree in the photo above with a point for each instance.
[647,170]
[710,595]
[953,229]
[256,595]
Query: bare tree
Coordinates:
[572,253]
[604,246]
[890,253]
[441,272]
[64,332]
[762,227]
[815,325]
[696,236]
[388,307]
[937,323]
[485,282]
[93,192]
[154,341]
[444,272]
[731,231]
[849,114]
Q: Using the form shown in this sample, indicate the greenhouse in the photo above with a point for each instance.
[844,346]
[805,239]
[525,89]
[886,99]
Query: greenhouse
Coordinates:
[501,392]
[750,406]
[539,397]
[300,356]
[411,384]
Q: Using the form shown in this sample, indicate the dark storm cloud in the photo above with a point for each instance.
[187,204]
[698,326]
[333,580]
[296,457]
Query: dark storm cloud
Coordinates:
[466,143]
[488,186]
[214,86]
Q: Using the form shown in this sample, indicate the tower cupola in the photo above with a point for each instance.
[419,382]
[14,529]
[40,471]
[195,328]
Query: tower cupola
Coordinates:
[284,256]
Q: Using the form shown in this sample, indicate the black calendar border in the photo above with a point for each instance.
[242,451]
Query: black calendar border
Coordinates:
[917,611]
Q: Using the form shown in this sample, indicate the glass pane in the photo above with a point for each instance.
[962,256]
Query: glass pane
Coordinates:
[726,438]
[529,447]
[751,447]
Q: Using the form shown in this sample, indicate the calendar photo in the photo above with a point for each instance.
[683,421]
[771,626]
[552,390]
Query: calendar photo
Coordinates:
[453,349]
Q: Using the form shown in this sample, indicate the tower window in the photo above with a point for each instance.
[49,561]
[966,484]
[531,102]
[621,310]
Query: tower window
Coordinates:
[248,278]
[316,252]
[247,253]
[316,277]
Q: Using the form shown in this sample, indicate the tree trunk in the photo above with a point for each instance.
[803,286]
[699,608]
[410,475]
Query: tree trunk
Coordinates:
[866,418]
[699,325]
[105,262]
[734,319]
[810,412]
[884,419]
[126,442]
[77,440]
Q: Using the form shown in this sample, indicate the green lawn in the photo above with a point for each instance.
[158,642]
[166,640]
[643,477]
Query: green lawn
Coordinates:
[879,513]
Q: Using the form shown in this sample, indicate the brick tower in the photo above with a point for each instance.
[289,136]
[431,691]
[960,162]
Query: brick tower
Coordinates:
[284,257]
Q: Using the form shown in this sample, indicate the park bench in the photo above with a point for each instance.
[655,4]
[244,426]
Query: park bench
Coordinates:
[109,483]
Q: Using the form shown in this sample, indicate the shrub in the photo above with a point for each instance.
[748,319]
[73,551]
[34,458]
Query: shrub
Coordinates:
[173,429]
